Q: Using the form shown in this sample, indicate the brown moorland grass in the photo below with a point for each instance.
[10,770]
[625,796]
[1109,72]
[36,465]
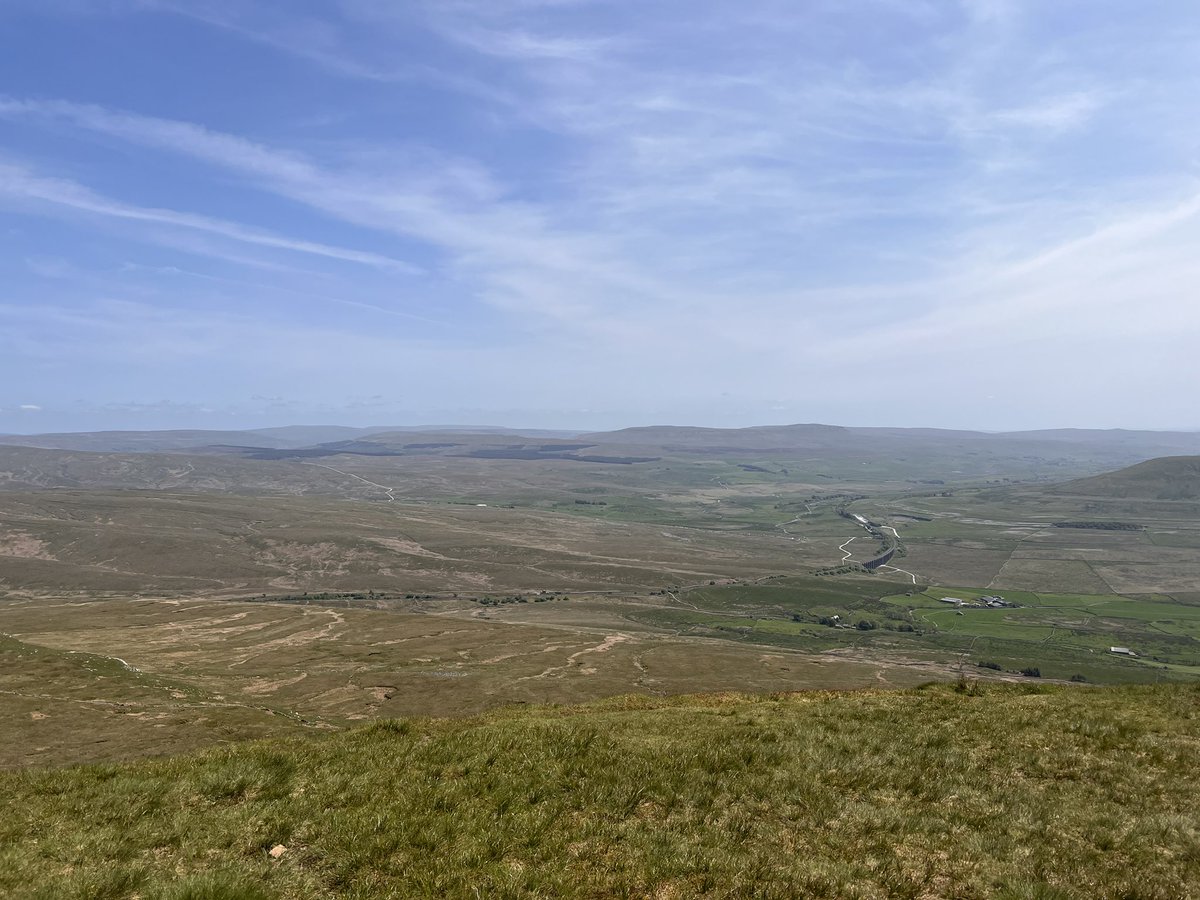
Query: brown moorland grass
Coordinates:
[141,542]
[997,791]
[109,680]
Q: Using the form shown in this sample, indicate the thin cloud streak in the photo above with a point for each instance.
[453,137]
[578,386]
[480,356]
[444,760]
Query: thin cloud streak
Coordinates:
[17,181]
[678,212]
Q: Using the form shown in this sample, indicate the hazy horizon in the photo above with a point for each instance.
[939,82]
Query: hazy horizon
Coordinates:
[977,214]
[482,425]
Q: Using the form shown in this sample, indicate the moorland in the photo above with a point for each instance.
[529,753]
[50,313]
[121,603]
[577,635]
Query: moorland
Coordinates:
[171,589]
[244,605]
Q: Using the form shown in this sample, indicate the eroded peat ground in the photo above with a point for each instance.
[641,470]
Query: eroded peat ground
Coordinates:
[92,680]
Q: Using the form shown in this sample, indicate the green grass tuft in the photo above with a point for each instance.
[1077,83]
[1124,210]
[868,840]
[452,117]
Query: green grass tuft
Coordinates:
[221,885]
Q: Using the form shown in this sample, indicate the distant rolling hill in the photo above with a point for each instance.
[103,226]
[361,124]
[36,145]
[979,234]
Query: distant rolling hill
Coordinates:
[1168,478]
[766,438]
[289,437]
[919,452]
[828,452]
[183,440]
[34,468]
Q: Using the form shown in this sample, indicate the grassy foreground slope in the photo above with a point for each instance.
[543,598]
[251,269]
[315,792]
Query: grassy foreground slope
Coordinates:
[988,792]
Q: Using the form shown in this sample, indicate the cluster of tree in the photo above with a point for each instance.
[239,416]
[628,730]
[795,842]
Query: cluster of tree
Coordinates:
[518,598]
[591,503]
[1028,671]
[792,505]
[326,597]
[497,601]
[861,624]
[841,570]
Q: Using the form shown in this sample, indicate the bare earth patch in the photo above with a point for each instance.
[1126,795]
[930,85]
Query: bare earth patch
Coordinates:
[23,545]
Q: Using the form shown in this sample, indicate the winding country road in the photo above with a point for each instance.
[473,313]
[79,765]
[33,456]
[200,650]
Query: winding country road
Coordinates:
[901,571]
[845,551]
[391,492]
[896,568]
[848,554]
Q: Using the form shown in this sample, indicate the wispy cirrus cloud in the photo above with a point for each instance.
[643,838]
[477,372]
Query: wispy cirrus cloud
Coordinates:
[447,207]
[711,201]
[21,183]
[1054,114]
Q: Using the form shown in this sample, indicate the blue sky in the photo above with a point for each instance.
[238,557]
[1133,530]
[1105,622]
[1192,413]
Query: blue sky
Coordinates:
[596,213]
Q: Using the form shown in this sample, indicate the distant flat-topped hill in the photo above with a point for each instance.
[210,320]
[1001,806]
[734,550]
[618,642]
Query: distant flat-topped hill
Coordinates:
[1168,478]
